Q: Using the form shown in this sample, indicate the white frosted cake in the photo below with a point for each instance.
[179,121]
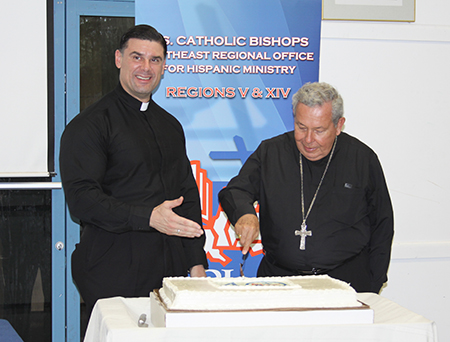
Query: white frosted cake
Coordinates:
[269,293]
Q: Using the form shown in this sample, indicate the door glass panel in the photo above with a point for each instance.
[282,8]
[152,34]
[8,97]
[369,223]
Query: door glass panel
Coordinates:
[25,261]
[99,39]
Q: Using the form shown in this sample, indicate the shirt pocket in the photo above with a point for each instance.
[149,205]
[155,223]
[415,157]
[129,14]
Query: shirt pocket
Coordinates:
[347,205]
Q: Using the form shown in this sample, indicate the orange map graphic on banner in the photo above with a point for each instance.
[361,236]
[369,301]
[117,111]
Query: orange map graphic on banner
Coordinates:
[220,236]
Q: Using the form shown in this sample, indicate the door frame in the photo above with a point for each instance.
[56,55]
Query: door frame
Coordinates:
[66,18]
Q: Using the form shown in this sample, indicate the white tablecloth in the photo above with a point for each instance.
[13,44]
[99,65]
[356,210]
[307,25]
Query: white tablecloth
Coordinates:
[115,320]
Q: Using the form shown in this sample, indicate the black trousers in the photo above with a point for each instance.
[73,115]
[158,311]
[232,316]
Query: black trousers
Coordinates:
[356,271]
[131,264]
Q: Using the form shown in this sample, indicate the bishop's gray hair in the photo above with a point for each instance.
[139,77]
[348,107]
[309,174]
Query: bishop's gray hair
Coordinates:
[318,93]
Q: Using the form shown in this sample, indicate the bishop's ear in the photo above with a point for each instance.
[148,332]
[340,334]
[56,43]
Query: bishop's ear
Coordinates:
[340,125]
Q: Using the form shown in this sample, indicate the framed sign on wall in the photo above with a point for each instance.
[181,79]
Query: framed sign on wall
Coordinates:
[370,10]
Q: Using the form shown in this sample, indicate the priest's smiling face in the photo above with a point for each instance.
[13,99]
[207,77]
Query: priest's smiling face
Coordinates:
[315,131]
[141,66]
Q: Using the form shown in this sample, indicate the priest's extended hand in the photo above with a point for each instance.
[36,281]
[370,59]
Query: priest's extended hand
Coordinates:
[247,229]
[166,221]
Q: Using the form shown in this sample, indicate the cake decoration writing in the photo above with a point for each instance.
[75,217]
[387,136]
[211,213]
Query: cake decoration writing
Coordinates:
[257,283]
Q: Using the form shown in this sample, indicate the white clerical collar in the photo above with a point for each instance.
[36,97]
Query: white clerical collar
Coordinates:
[144,106]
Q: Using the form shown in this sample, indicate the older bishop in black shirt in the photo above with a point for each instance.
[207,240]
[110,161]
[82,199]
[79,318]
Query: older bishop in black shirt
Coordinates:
[324,203]
[128,180]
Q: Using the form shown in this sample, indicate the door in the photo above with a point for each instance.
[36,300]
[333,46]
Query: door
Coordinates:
[84,72]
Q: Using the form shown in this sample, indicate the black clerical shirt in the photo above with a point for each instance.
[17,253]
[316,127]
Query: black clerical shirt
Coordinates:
[118,162]
[352,211]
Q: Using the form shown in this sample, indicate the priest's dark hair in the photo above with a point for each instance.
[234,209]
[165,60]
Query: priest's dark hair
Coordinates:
[144,32]
[318,93]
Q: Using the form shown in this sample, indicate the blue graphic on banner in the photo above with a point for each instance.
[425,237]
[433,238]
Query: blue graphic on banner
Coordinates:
[231,70]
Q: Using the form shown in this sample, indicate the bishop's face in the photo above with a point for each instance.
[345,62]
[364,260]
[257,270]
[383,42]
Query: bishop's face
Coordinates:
[314,130]
[141,66]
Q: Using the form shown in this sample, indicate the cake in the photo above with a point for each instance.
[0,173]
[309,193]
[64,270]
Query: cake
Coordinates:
[265,293]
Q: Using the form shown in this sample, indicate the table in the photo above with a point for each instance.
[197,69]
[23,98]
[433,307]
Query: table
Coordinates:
[7,332]
[116,320]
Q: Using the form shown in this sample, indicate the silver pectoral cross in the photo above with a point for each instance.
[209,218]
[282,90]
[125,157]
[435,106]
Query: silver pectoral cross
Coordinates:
[303,233]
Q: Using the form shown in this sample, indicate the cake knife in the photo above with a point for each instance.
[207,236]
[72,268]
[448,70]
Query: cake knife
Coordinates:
[242,264]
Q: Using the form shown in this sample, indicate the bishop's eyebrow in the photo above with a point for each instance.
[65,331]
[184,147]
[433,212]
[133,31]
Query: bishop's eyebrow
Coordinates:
[315,128]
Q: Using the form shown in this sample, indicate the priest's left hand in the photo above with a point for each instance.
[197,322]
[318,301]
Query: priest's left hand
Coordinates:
[247,229]
[165,220]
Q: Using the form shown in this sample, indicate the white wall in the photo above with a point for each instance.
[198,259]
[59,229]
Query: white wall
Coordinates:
[23,99]
[394,78]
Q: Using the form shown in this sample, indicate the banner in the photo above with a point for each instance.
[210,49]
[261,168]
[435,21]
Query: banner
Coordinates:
[231,70]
